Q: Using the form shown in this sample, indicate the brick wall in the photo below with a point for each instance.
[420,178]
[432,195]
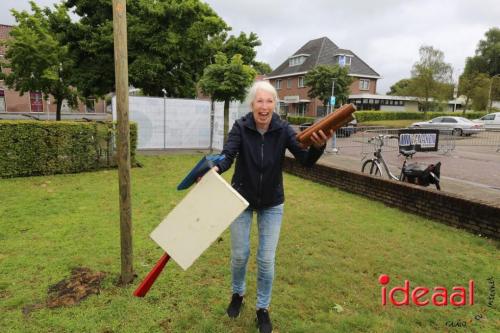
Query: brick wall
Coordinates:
[4,34]
[354,87]
[302,92]
[474,216]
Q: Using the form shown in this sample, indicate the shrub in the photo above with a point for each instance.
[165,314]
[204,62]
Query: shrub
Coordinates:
[365,116]
[30,148]
[295,120]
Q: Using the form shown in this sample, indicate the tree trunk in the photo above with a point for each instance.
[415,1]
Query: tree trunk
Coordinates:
[466,104]
[58,108]
[226,119]
[123,144]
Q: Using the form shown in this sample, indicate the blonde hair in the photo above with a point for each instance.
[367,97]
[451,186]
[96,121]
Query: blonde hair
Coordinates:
[261,85]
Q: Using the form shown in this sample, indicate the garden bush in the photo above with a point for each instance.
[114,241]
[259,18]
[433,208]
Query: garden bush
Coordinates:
[365,116]
[31,148]
[295,120]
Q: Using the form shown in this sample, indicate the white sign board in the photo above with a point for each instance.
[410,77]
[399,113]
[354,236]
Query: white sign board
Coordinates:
[199,219]
[291,99]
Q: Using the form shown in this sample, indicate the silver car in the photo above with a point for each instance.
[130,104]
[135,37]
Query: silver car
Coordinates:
[491,120]
[451,125]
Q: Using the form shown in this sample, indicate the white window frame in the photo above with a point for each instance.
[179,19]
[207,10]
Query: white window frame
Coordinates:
[297,60]
[300,82]
[278,84]
[364,84]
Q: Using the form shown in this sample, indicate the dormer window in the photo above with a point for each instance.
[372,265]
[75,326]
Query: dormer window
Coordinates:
[297,60]
[344,60]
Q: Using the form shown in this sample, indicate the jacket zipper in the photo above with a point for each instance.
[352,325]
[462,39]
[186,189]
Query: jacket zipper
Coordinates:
[261,166]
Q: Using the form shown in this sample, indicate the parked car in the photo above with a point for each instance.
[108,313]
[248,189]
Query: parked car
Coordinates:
[490,121]
[343,132]
[454,125]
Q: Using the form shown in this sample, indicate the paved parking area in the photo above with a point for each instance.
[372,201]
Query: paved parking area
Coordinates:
[471,169]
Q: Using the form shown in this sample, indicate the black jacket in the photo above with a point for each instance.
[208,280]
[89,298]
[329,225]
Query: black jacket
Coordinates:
[258,176]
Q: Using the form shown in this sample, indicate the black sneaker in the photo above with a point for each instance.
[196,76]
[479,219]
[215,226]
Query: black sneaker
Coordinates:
[233,310]
[263,321]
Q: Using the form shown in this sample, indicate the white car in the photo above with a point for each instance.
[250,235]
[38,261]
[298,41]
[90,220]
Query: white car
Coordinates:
[491,120]
[454,125]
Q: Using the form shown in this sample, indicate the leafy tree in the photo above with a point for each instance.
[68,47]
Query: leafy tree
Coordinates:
[262,67]
[320,78]
[400,88]
[480,91]
[244,45]
[227,81]
[469,85]
[170,42]
[487,58]
[430,76]
[37,58]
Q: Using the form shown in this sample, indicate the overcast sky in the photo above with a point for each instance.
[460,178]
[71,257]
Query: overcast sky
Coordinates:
[386,34]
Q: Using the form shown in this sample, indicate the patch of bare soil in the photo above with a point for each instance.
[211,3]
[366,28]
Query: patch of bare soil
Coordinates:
[70,291]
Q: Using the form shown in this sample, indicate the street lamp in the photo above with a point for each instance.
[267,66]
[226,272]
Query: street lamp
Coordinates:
[164,91]
[489,94]
[333,91]
[334,137]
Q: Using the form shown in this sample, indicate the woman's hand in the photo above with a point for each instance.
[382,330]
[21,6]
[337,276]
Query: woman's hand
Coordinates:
[215,168]
[319,138]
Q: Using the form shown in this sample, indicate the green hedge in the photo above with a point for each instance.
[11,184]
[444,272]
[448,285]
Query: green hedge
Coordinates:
[364,116]
[30,148]
[299,120]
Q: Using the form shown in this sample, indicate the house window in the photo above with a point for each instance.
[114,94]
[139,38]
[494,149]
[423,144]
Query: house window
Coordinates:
[278,84]
[2,101]
[364,84]
[289,83]
[301,82]
[36,101]
[297,60]
[344,60]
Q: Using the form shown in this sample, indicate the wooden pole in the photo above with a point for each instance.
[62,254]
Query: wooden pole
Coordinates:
[121,82]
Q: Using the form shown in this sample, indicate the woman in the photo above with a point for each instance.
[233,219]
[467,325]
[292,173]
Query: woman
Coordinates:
[258,142]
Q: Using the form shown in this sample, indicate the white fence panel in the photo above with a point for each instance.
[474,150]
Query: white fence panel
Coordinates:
[179,123]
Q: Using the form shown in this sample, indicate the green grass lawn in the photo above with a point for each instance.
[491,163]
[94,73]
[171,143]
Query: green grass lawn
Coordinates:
[402,123]
[332,249]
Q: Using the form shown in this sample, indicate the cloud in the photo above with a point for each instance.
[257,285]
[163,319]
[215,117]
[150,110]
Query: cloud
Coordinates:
[386,34]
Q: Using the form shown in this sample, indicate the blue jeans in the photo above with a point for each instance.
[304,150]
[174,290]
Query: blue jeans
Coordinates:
[269,224]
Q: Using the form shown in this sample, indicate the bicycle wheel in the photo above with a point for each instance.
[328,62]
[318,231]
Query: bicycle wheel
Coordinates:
[373,169]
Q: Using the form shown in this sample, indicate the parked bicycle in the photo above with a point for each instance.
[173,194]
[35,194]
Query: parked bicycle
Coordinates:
[414,173]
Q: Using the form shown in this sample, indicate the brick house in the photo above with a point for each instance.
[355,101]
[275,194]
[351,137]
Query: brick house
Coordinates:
[288,78]
[12,104]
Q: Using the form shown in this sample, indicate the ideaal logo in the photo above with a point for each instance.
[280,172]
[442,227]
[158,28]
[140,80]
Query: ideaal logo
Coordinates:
[459,296]
[422,296]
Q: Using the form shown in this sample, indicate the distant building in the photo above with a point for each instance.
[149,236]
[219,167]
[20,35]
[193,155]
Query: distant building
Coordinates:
[32,103]
[288,78]
[397,103]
